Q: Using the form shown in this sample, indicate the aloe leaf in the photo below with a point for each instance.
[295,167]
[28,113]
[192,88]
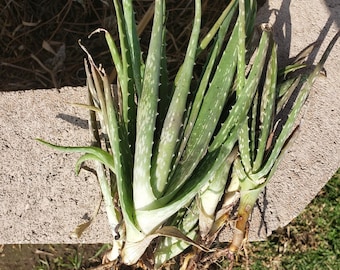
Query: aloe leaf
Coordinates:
[92,95]
[134,46]
[221,80]
[165,90]
[240,109]
[221,25]
[174,232]
[108,189]
[186,222]
[118,143]
[286,86]
[98,89]
[122,160]
[125,84]
[116,57]
[174,118]
[285,90]
[169,204]
[244,146]
[298,62]
[211,195]
[292,116]
[171,247]
[124,79]
[100,157]
[267,108]
[147,113]
[106,180]
[289,142]
[241,48]
[134,250]
[253,122]
[129,66]
[222,22]
[108,186]
[82,159]
[211,108]
[97,153]
[96,99]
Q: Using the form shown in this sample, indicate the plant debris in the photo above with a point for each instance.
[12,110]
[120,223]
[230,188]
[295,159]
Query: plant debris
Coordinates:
[39,39]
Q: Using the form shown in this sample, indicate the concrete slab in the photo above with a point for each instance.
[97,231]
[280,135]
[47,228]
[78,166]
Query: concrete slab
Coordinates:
[41,199]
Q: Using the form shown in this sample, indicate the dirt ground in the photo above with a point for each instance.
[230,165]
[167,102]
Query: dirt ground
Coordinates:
[39,39]
[24,257]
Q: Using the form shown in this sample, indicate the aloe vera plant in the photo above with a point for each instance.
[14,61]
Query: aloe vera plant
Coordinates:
[264,135]
[163,149]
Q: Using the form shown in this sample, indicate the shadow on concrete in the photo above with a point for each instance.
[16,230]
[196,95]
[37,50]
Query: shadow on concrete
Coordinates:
[334,17]
[282,29]
[74,120]
[334,10]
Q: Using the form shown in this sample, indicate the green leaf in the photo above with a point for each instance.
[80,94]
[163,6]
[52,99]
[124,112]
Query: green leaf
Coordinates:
[174,118]
[267,109]
[186,221]
[147,113]
[211,108]
[95,152]
[240,109]
[133,45]
[212,193]
[287,127]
